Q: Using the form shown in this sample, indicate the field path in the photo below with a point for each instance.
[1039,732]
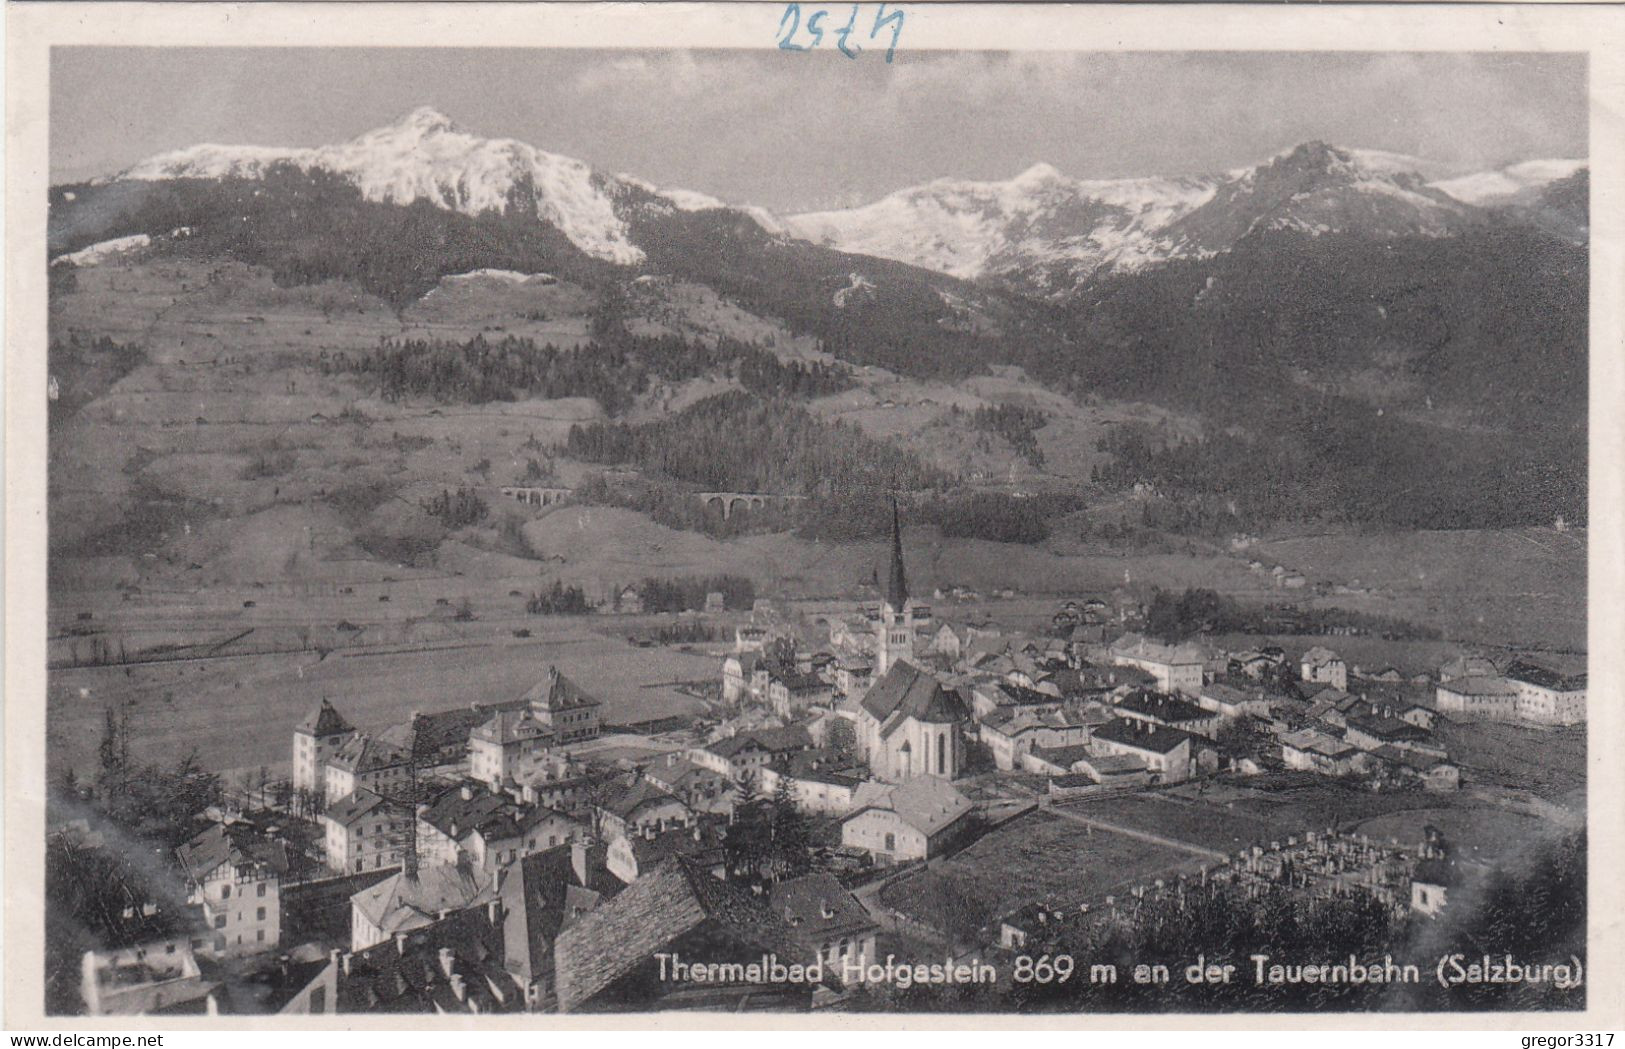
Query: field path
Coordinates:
[1128,832]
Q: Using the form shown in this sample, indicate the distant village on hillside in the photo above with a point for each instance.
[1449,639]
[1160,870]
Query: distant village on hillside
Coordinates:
[878,783]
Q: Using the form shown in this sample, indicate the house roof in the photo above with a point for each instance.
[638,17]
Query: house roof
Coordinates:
[324,721]
[1114,764]
[541,895]
[411,977]
[1315,741]
[510,726]
[237,844]
[1063,757]
[628,796]
[359,805]
[1388,728]
[1544,676]
[362,754]
[1320,656]
[668,902]
[906,691]
[1134,646]
[556,693]
[818,908]
[1164,708]
[1479,685]
[1152,738]
[783,740]
[399,903]
[460,809]
[927,803]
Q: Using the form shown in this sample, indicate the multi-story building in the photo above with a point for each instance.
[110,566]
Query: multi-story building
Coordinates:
[1547,696]
[500,749]
[561,706]
[315,740]
[234,874]
[366,832]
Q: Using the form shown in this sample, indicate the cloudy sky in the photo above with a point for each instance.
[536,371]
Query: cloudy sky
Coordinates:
[799,131]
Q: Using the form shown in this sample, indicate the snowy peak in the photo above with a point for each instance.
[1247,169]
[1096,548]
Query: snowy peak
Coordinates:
[424,156]
[1041,219]
[1046,232]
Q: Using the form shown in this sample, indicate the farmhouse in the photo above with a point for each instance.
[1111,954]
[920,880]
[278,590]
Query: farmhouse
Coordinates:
[637,807]
[1232,703]
[792,692]
[818,781]
[1311,750]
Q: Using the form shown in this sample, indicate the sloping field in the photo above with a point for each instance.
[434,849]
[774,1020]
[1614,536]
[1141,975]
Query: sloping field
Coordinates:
[1036,857]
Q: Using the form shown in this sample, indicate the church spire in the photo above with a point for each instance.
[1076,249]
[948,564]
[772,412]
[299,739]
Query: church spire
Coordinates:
[897,585]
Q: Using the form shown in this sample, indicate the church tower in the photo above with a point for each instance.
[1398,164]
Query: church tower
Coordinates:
[894,634]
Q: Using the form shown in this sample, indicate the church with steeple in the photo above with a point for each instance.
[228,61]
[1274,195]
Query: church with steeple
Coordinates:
[894,630]
[908,724]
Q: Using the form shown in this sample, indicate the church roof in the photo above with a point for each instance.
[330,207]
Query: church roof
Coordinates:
[906,692]
[325,720]
[896,583]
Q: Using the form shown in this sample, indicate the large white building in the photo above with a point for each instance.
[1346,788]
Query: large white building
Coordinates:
[1547,696]
[315,740]
[1177,668]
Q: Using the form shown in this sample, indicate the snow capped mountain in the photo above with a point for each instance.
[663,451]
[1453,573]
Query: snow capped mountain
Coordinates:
[975,229]
[423,156]
[1047,232]
[1487,188]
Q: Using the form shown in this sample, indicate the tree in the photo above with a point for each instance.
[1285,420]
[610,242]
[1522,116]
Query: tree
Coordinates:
[841,739]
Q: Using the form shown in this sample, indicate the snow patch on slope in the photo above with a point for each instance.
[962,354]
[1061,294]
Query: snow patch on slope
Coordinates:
[1497,187]
[423,157]
[104,250]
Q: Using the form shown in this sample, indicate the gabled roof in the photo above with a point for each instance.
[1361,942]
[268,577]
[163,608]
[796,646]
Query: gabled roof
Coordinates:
[511,726]
[929,804]
[454,815]
[907,692]
[1134,646]
[237,844]
[818,908]
[670,901]
[625,798]
[399,903]
[1320,656]
[1479,685]
[1156,739]
[541,895]
[783,740]
[556,693]
[359,805]
[324,721]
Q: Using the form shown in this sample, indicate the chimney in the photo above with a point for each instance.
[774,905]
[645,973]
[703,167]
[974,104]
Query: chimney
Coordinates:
[448,962]
[578,861]
[493,913]
[400,943]
[345,961]
[457,987]
[467,792]
[333,957]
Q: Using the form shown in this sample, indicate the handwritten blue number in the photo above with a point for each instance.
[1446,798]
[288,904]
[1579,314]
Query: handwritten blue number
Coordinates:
[813,22]
[846,31]
[881,19]
[790,10]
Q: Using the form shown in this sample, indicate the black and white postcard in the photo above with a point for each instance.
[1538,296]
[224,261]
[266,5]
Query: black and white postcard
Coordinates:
[833,511]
